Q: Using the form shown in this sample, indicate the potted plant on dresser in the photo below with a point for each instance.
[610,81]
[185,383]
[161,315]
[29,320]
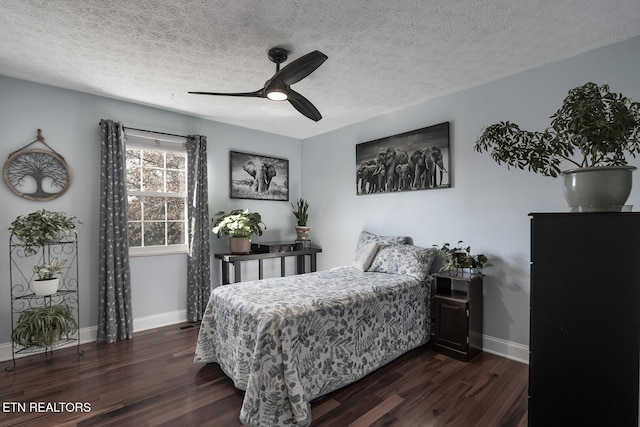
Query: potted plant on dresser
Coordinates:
[592,130]
[47,283]
[301,212]
[240,225]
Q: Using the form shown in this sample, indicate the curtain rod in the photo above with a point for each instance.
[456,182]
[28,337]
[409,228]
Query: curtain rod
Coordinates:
[153,131]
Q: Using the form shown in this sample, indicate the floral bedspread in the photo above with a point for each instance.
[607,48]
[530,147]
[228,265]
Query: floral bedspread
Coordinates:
[286,341]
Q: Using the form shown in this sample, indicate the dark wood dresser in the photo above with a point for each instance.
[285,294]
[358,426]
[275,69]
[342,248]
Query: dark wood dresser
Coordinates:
[585,319]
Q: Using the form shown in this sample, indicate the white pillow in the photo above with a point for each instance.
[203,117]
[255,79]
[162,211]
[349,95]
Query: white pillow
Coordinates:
[409,260]
[365,255]
[365,237]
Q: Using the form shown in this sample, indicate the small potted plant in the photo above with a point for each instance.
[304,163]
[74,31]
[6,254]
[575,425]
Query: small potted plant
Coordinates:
[41,227]
[47,284]
[44,326]
[301,212]
[240,225]
[592,130]
[458,260]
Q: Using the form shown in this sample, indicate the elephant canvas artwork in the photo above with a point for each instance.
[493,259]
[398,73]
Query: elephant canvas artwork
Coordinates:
[258,177]
[415,160]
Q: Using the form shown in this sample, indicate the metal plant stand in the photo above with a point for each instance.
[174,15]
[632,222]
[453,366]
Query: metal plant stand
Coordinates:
[23,297]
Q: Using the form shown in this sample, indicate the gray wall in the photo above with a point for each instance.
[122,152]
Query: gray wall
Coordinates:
[488,205]
[69,122]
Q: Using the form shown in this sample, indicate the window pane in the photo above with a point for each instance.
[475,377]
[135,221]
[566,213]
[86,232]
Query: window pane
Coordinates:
[175,233]
[153,179]
[154,208]
[134,208]
[176,161]
[133,158]
[133,179]
[135,234]
[175,181]
[157,220]
[153,159]
[153,233]
[175,208]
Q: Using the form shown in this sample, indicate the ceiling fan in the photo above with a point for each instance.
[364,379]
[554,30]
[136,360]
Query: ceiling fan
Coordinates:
[278,87]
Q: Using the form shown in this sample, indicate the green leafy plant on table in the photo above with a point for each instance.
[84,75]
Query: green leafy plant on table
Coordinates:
[238,223]
[460,257]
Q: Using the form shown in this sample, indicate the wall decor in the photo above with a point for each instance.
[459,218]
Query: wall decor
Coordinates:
[414,160]
[254,176]
[38,174]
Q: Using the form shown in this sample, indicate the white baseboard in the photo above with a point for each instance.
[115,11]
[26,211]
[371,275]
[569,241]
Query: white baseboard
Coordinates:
[90,333]
[493,345]
[159,320]
[506,349]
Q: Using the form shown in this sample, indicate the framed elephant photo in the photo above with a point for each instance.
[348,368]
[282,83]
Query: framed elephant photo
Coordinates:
[254,176]
[415,160]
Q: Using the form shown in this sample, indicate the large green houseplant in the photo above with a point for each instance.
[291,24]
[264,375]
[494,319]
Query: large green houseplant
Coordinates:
[593,130]
[36,229]
[240,225]
[44,326]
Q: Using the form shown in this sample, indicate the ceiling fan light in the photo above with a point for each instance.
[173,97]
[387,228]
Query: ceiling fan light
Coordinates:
[277,95]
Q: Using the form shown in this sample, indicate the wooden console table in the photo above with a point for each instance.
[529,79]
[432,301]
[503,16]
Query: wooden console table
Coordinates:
[292,250]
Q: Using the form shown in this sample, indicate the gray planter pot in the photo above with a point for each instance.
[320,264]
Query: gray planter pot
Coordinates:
[239,245]
[302,232]
[597,189]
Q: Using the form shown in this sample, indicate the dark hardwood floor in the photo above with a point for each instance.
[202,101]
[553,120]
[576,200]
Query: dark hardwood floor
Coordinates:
[152,381]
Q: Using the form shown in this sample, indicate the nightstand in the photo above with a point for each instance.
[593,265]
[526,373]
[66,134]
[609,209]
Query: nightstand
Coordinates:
[456,315]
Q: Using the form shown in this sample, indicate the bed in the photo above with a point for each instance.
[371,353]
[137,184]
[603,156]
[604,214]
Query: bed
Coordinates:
[286,341]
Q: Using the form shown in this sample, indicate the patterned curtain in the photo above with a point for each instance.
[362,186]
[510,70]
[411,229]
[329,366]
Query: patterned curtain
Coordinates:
[115,320]
[198,260]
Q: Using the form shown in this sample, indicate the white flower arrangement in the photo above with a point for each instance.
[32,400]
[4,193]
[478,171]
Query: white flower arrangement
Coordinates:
[238,223]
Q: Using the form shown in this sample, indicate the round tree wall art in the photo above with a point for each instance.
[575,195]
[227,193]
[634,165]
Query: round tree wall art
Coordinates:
[37,173]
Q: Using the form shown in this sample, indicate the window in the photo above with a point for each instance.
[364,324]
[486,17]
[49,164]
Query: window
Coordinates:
[157,193]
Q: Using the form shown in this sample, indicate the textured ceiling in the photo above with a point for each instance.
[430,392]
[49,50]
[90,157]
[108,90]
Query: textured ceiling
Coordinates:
[383,55]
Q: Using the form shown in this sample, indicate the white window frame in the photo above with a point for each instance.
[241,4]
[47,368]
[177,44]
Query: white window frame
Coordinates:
[167,143]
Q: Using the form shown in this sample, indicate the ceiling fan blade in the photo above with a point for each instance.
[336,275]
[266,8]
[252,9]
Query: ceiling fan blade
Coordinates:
[303,105]
[256,94]
[300,68]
